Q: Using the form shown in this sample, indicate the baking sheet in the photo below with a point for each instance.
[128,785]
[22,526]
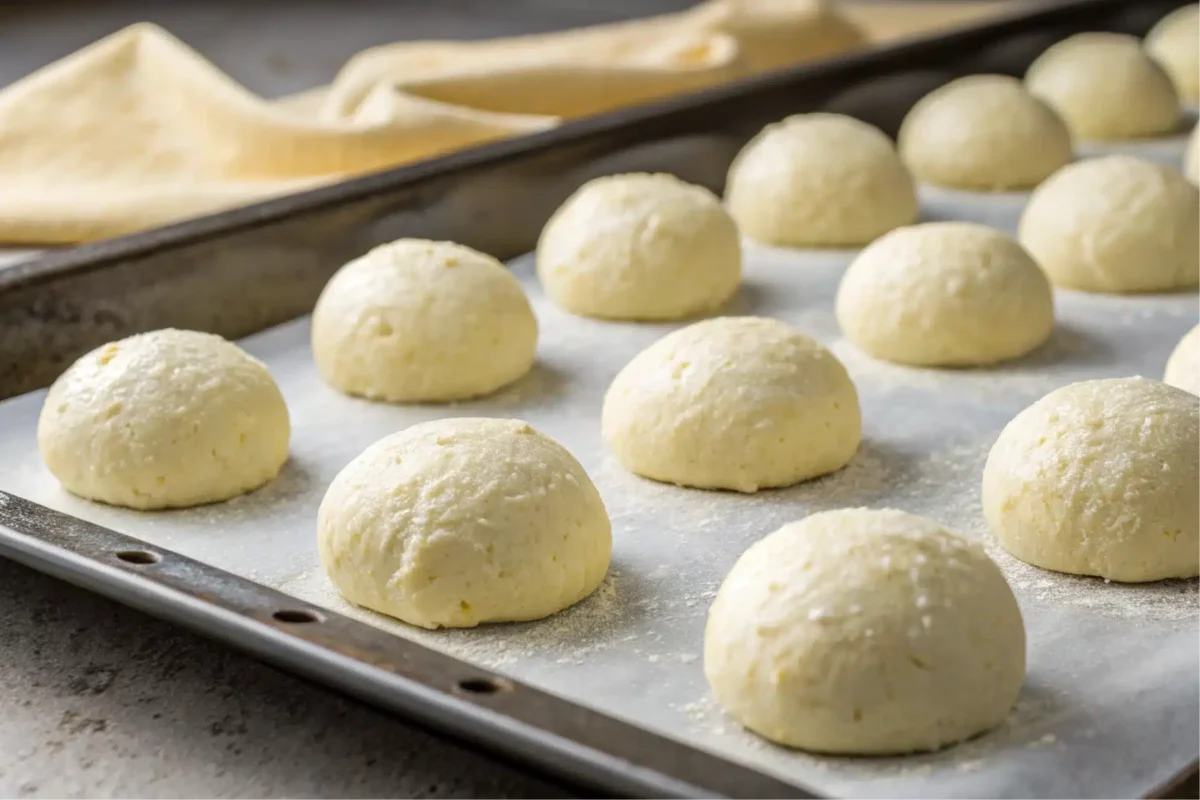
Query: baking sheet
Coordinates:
[1109,704]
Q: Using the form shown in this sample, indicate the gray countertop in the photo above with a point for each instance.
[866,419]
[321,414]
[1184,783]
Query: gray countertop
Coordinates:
[99,700]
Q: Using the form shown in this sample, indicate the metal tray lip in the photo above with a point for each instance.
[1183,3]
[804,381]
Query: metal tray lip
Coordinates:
[93,256]
[258,638]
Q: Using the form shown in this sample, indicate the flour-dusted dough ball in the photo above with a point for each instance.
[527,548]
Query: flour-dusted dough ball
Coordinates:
[865,632]
[945,294]
[640,247]
[421,321]
[819,180]
[459,522]
[1105,87]
[985,133]
[1115,224]
[165,419]
[1183,367]
[741,403]
[1175,44]
[1101,478]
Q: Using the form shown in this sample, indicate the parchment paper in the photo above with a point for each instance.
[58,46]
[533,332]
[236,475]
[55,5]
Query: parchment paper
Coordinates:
[1109,706]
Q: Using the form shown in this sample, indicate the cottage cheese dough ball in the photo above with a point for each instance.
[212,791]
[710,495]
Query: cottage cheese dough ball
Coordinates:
[741,403]
[1105,87]
[1115,224]
[984,133]
[819,180]
[866,632]
[165,419]
[945,294]
[1175,44]
[1101,478]
[421,321]
[1183,367]
[640,247]
[459,522]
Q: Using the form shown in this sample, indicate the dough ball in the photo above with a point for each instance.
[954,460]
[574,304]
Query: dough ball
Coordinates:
[741,403]
[1183,367]
[1105,88]
[819,180]
[1100,478]
[945,294]
[985,133]
[1175,44]
[640,247]
[1115,224]
[165,419]
[418,321]
[458,522]
[865,632]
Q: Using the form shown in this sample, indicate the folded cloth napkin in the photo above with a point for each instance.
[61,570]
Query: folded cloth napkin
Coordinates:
[138,130]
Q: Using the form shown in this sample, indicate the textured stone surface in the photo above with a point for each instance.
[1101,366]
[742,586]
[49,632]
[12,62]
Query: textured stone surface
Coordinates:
[100,700]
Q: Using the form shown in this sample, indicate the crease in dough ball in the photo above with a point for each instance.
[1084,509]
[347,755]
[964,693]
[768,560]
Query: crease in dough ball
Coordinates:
[420,321]
[819,180]
[741,403]
[165,419]
[459,522]
[984,133]
[865,632]
[945,294]
[1105,87]
[1175,44]
[1115,224]
[1183,367]
[640,247]
[1101,478]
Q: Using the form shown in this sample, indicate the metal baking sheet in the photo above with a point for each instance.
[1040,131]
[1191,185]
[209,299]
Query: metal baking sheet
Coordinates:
[1109,704]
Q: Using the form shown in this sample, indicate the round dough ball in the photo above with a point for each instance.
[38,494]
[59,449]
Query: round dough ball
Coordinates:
[165,419]
[1183,367]
[1175,44]
[985,133]
[419,321]
[1101,478]
[819,180]
[640,247]
[945,294]
[741,403]
[1105,88]
[1115,224]
[458,522]
[865,632]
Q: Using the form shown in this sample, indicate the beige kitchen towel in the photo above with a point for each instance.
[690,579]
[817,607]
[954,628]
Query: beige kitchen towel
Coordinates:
[138,130]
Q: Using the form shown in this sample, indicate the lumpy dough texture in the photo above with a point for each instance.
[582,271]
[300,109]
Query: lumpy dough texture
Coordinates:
[984,133]
[1100,478]
[1105,87]
[640,247]
[165,419]
[740,403]
[459,522]
[1183,367]
[1115,224]
[817,180]
[421,321]
[945,294]
[865,632]
[1175,44]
